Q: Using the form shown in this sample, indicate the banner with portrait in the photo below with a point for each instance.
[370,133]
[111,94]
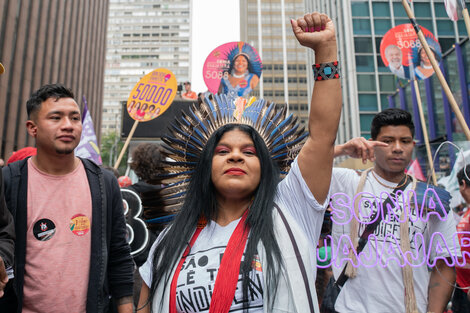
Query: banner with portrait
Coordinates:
[402,53]
[233,69]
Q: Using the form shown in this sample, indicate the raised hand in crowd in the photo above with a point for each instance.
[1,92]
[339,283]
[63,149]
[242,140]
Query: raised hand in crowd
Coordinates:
[359,148]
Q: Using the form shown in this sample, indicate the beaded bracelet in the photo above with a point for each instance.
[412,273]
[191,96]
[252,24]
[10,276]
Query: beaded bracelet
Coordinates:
[324,71]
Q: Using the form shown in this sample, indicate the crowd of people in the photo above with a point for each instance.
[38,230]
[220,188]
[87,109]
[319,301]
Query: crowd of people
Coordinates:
[247,194]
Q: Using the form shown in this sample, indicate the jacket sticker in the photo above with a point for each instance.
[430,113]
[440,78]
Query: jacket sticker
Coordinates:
[44,229]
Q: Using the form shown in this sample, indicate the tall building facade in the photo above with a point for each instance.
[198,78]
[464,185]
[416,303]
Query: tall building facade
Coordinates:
[48,41]
[367,82]
[142,36]
[265,24]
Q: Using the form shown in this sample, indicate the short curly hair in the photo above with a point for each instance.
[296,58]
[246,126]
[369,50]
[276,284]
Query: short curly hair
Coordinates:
[146,161]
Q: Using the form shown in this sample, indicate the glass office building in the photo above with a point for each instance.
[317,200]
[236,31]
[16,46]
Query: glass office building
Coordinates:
[367,82]
[370,21]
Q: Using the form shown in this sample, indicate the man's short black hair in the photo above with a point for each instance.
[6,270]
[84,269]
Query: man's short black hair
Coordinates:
[393,117]
[56,91]
[462,177]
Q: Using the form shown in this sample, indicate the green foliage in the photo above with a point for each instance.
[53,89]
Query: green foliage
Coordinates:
[111,146]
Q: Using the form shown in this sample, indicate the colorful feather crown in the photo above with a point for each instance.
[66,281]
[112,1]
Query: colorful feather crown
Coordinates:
[250,53]
[282,135]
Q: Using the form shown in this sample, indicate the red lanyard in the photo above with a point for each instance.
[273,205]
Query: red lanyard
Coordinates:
[229,270]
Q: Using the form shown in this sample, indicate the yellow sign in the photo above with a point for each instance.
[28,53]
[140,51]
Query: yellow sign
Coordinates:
[152,95]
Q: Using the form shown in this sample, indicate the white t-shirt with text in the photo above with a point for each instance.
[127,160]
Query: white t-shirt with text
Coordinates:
[378,286]
[197,278]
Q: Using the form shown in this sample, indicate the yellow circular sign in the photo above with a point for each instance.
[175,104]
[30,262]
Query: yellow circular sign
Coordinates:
[152,95]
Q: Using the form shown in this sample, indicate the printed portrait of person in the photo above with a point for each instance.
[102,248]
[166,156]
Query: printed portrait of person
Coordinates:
[394,56]
[422,64]
[243,73]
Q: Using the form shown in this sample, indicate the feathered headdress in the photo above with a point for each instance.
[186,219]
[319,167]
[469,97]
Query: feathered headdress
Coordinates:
[433,44]
[250,53]
[188,136]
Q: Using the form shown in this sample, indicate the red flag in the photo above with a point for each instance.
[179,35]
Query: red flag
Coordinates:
[415,170]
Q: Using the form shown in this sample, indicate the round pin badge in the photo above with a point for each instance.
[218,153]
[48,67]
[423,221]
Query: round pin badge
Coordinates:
[80,224]
[44,229]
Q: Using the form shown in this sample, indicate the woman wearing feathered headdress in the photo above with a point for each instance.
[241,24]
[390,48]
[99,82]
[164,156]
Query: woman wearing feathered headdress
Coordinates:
[244,240]
[243,74]
[423,67]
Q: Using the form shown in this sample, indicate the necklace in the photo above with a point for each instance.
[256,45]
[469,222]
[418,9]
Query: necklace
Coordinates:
[237,76]
[428,67]
[391,187]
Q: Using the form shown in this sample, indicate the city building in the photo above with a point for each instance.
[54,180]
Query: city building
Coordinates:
[43,42]
[265,24]
[143,36]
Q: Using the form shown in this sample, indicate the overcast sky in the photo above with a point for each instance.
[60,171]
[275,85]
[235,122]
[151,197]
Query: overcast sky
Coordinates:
[214,22]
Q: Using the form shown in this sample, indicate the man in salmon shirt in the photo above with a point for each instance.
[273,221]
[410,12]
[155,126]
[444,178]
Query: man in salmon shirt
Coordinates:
[71,252]
[460,302]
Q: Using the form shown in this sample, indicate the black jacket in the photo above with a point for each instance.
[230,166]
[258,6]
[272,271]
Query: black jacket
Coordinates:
[111,266]
[7,230]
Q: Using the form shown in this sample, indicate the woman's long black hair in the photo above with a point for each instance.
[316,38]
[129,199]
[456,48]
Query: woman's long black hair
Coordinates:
[201,201]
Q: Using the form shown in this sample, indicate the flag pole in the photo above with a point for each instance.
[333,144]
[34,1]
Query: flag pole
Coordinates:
[126,144]
[425,132]
[466,18]
[437,70]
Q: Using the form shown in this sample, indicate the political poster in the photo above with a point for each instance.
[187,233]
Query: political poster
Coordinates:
[152,95]
[233,69]
[402,53]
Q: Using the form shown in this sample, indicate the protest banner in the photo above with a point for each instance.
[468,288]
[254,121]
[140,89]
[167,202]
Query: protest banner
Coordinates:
[149,98]
[402,52]
[233,68]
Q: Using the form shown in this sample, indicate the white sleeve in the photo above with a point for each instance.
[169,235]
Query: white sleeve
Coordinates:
[294,196]
[146,269]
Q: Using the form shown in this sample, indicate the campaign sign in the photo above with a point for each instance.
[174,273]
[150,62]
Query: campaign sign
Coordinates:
[233,68]
[402,52]
[454,8]
[152,95]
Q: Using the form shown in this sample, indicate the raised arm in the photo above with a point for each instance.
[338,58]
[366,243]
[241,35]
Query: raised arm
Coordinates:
[316,31]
